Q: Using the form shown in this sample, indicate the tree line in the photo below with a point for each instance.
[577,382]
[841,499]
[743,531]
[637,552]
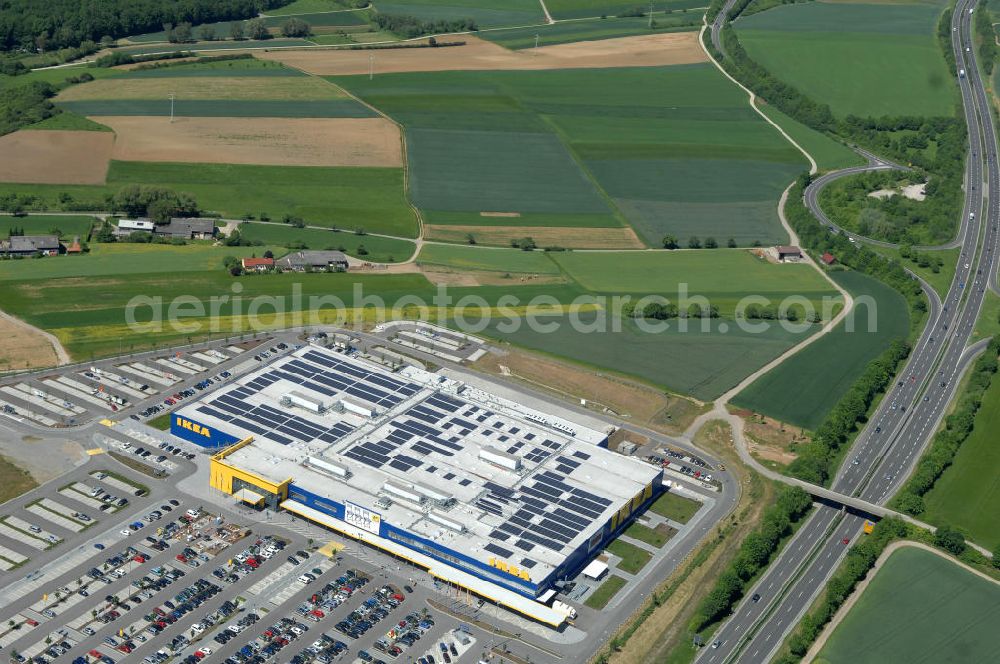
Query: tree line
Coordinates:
[754,554]
[32,26]
[410,27]
[958,426]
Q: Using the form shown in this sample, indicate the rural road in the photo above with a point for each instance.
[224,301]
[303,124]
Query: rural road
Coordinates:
[902,425]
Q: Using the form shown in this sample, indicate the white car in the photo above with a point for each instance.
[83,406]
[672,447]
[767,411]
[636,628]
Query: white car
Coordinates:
[125,531]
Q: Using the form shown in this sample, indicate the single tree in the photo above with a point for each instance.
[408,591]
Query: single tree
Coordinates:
[295,27]
[731,243]
[694,243]
[236,30]
[256,29]
[182,33]
[670,242]
[207,32]
[710,243]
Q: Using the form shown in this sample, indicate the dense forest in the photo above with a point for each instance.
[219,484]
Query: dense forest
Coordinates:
[33,25]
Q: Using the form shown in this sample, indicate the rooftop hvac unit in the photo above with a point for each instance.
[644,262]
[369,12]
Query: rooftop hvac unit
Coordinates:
[329,467]
[568,430]
[532,417]
[442,520]
[432,493]
[357,408]
[498,458]
[402,492]
[302,401]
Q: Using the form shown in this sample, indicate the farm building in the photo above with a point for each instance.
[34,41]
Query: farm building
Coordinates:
[828,258]
[788,254]
[479,490]
[126,227]
[194,228]
[27,245]
[258,264]
[75,247]
[182,228]
[300,261]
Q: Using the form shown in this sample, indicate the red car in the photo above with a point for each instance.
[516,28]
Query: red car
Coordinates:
[181,557]
[95,653]
[140,558]
[318,613]
[399,597]
[124,648]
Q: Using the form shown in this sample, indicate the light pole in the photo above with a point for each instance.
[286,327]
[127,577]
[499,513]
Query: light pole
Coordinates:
[371,66]
[536,45]
[172,107]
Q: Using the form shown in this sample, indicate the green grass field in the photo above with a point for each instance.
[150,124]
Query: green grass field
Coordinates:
[829,154]
[242,88]
[486,13]
[654,536]
[67,225]
[632,557]
[588,30]
[380,249]
[803,388]
[68,121]
[488,259]
[676,508]
[670,150]
[703,364]
[608,589]
[347,198]
[967,494]
[706,273]
[222,108]
[919,608]
[310,6]
[827,50]
[941,280]
[563,9]
[250,67]
[108,260]
[323,19]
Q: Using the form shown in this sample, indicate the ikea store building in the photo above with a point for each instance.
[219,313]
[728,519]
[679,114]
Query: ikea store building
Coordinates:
[481,491]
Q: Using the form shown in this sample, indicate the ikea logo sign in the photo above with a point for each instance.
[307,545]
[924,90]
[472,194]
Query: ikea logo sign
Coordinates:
[193,426]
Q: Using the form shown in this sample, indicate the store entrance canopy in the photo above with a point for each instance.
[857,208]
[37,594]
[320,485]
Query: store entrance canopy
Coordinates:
[248,496]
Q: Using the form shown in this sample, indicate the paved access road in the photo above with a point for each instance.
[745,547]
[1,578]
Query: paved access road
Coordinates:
[885,452]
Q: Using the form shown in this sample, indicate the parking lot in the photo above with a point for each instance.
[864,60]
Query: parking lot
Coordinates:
[154,577]
[142,387]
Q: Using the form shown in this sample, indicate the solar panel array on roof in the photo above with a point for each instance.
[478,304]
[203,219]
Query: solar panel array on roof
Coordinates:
[262,420]
[546,511]
[498,550]
[316,371]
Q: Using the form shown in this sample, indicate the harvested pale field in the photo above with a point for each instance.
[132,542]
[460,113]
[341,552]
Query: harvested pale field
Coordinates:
[26,347]
[671,48]
[640,403]
[544,236]
[270,141]
[235,88]
[55,157]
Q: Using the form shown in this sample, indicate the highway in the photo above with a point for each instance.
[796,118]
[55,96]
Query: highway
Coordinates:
[889,446]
